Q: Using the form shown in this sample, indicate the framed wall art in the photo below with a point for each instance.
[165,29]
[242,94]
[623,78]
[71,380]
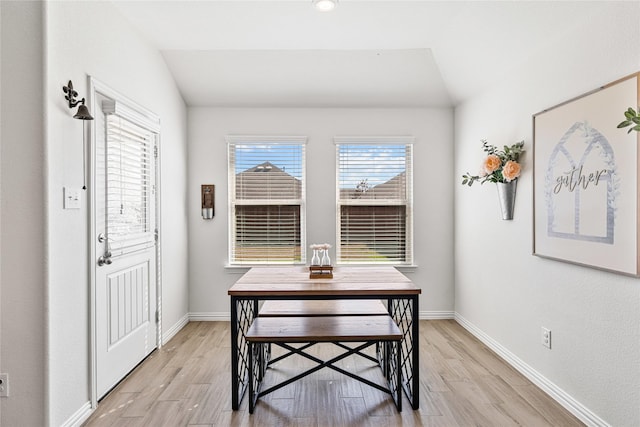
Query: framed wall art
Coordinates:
[586,181]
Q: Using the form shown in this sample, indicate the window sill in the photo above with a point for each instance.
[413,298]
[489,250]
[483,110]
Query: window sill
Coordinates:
[241,268]
[233,268]
[407,268]
[402,267]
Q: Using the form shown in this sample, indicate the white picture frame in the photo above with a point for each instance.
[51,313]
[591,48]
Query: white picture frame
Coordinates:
[586,181]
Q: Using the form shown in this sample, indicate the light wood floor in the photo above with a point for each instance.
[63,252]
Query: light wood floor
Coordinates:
[463,383]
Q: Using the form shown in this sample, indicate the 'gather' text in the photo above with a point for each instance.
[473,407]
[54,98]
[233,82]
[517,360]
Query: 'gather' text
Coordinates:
[570,180]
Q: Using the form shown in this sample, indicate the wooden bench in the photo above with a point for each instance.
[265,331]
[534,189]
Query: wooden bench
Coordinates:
[352,307]
[271,308]
[285,330]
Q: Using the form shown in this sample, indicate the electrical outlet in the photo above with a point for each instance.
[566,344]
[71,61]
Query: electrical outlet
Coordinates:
[546,337]
[4,385]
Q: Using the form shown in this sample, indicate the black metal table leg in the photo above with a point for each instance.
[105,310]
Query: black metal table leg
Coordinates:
[235,389]
[406,314]
[243,311]
[415,323]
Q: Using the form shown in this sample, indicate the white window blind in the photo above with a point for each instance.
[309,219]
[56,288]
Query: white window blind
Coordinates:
[129,182]
[374,200]
[267,200]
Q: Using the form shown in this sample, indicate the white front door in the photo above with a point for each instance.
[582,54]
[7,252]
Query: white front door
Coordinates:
[125,244]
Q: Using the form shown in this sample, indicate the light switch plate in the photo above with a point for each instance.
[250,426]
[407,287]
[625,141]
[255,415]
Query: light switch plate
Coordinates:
[4,385]
[72,198]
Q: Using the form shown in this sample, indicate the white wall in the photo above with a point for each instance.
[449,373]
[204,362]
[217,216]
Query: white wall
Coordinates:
[91,38]
[23,244]
[502,289]
[433,152]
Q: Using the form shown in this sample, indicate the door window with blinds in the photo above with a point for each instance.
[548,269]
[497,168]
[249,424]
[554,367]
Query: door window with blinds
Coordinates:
[374,200]
[130,171]
[266,200]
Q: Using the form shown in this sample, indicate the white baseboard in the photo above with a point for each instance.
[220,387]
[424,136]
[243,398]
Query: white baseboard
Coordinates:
[559,395]
[210,317]
[79,417]
[170,333]
[436,315]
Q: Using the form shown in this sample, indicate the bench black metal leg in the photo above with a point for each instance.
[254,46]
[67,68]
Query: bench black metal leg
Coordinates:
[398,376]
[394,389]
[251,389]
[387,359]
[261,361]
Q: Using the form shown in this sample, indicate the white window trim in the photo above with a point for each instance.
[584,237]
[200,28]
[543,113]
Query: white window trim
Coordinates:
[382,140]
[270,140]
[389,140]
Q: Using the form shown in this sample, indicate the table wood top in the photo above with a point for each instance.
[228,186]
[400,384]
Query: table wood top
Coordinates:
[346,281]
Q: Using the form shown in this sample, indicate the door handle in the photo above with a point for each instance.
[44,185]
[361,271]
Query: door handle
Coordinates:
[106,258]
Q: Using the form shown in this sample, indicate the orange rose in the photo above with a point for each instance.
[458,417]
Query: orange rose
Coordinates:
[511,170]
[491,163]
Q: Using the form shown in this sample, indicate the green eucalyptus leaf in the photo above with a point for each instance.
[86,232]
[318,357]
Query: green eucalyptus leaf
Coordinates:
[624,124]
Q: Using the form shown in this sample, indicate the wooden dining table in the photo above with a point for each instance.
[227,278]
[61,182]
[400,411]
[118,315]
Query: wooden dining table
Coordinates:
[383,283]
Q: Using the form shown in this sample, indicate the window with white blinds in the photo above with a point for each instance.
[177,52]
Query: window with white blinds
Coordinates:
[266,200]
[129,185]
[374,200]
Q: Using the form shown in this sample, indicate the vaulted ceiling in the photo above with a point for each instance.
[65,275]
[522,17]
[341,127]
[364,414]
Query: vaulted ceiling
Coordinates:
[364,53]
